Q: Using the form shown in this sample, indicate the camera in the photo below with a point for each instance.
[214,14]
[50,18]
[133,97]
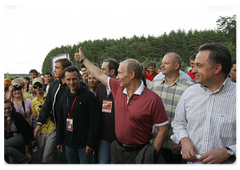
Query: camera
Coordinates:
[17,86]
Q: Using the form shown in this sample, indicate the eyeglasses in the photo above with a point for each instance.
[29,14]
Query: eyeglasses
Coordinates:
[8,108]
[37,85]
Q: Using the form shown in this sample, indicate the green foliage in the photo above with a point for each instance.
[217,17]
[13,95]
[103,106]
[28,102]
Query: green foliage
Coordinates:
[146,49]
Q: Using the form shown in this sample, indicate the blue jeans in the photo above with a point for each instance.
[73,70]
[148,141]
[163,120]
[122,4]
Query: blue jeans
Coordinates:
[76,155]
[62,157]
[104,152]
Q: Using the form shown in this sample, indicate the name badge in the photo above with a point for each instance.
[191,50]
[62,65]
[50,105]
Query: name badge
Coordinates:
[107,106]
[69,124]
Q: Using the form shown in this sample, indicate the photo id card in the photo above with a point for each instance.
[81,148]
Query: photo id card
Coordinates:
[69,124]
[107,106]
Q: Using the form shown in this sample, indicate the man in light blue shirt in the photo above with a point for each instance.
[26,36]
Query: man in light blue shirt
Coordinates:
[205,118]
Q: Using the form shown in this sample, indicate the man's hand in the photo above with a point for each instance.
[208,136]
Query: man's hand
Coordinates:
[79,56]
[37,131]
[34,115]
[188,150]
[59,148]
[176,148]
[161,136]
[215,156]
[88,150]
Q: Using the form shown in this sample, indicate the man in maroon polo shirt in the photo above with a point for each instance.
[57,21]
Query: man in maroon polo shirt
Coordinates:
[136,110]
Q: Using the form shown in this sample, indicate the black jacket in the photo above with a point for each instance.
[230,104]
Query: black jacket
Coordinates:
[108,119]
[51,105]
[86,119]
[23,128]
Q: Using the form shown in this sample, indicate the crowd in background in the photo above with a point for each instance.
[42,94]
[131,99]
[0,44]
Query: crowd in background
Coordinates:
[125,112]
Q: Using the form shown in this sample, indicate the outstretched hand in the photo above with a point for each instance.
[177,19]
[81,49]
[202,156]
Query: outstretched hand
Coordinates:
[79,56]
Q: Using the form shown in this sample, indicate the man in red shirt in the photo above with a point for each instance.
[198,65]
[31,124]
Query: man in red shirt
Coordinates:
[136,110]
[152,73]
[192,59]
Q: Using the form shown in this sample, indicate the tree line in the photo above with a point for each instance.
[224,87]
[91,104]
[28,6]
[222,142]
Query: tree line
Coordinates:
[151,48]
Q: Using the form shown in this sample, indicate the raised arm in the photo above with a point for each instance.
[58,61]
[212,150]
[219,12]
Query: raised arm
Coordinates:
[94,70]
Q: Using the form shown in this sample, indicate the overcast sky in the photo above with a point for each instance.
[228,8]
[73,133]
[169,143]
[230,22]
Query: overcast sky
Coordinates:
[31,30]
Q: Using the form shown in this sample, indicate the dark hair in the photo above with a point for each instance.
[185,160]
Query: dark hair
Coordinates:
[150,64]
[219,54]
[33,71]
[13,108]
[233,62]
[82,66]
[64,62]
[134,65]
[48,73]
[192,57]
[72,69]
[27,78]
[112,64]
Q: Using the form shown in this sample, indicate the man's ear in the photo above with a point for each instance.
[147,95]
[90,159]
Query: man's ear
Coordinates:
[177,65]
[112,72]
[218,68]
[132,75]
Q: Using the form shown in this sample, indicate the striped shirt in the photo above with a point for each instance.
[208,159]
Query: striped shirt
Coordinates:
[208,119]
[170,95]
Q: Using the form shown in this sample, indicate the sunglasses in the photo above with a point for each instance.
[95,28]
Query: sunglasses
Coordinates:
[8,108]
[37,85]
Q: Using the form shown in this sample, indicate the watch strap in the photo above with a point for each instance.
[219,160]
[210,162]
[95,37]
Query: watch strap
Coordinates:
[83,59]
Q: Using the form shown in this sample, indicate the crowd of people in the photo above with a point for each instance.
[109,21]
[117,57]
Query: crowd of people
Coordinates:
[125,113]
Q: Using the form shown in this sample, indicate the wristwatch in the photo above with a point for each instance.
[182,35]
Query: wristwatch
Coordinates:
[83,59]
[229,152]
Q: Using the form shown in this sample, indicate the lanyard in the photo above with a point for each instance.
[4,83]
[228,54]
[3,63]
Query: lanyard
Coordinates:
[8,130]
[72,105]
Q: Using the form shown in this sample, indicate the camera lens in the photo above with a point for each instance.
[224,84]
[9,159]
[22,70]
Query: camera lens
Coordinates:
[17,87]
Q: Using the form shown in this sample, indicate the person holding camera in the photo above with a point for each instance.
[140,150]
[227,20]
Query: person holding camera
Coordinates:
[46,141]
[22,104]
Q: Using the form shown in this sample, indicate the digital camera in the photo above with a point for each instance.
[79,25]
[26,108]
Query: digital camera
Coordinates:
[17,86]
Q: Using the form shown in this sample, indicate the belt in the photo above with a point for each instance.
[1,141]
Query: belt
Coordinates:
[130,147]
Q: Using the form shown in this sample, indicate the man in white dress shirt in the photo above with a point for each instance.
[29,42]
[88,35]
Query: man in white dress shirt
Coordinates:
[205,118]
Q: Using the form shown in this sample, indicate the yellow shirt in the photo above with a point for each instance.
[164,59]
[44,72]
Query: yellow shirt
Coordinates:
[27,95]
[48,127]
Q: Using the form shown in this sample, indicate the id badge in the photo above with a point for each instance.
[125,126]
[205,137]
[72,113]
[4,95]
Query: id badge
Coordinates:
[107,106]
[69,124]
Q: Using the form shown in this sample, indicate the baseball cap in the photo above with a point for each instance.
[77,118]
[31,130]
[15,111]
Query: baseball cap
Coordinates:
[7,81]
[37,80]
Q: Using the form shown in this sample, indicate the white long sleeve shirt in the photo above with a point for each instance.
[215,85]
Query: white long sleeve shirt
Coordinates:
[207,119]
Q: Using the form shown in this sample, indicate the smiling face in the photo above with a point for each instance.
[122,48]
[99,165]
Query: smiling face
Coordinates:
[203,70]
[33,75]
[72,81]
[38,88]
[17,94]
[92,81]
[7,109]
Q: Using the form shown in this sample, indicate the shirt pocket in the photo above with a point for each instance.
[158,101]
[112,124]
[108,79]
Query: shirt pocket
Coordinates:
[227,126]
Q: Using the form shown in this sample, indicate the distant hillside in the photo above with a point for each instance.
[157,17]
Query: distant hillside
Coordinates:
[14,75]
